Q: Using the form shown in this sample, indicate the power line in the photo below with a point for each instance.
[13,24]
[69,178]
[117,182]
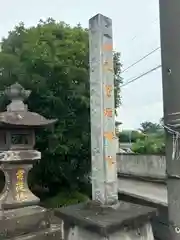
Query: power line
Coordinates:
[140,76]
[139,60]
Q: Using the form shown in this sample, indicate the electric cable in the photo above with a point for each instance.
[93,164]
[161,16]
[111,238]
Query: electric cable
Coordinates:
[139,60]
[140,76]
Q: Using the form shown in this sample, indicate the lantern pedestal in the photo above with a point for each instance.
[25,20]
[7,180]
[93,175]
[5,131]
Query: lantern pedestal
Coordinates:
[19,213]
[15,166]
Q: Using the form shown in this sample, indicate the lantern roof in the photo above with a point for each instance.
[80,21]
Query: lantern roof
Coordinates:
[17,113]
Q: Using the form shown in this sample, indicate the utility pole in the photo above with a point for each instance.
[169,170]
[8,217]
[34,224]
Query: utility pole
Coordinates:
[103,138]
[170,52]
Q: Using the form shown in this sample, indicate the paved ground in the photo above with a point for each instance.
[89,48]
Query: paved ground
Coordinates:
[153,192]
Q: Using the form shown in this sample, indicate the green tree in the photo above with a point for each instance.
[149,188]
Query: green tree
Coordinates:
[153,141]
[52,60]
[149,127]
[150,145]
[130,136]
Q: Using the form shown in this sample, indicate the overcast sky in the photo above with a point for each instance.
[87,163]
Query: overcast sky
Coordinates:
[136,33]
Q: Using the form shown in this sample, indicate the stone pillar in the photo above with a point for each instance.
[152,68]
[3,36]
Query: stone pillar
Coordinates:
[104,218]
[103,137]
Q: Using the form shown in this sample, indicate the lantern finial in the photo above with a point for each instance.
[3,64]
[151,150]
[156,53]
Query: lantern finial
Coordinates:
[17,92]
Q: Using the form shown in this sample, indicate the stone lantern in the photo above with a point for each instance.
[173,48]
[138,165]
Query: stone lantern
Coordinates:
[19,210]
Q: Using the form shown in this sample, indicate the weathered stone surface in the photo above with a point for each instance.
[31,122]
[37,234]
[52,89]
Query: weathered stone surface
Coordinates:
[138,165]
[105,221]
[52,233]
[22,155]
[16,192]
[21,221]
[142,233]
[24,118]
[103,139]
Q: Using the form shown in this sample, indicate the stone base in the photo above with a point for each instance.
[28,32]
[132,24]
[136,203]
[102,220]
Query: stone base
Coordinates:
[91,221]
[53,232]
[27,222]
[144,232]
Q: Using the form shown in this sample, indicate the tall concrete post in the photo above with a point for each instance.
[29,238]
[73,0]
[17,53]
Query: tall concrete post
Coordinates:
[103,138]
[170,51]
[104,217]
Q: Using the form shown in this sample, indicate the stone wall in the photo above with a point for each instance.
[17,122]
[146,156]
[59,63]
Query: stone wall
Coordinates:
[142,180]
[148,166]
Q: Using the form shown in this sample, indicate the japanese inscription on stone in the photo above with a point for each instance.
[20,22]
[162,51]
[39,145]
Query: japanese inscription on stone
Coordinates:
[104,176]
[20,189]
[108,90]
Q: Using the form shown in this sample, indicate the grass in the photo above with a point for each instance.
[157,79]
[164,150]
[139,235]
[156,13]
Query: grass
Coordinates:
[64,198]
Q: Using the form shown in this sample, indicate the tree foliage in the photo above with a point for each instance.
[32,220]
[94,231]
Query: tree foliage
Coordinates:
[152,144]
[130,136]
[149,127]
[153,141]
[52,60]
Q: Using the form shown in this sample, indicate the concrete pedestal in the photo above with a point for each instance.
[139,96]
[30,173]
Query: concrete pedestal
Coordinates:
[91,221]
